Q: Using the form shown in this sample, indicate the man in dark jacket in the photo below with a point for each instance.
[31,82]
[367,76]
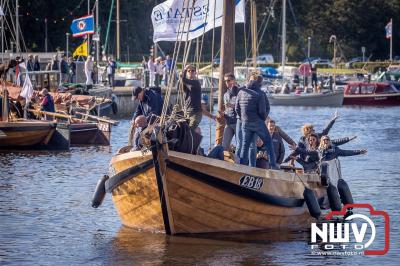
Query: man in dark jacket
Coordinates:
[47,103]
[229,114]
[252,109]
[150,102]
[192,90]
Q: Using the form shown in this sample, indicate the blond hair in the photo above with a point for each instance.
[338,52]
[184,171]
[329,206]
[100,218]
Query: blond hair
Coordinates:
[307,129]
[322,144]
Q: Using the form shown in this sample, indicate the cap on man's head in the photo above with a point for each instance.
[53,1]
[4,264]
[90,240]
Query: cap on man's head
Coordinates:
[45,92]
[191,67]
[136,92]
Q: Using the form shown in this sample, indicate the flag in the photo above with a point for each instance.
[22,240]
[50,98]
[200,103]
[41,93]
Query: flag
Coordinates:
[81,50]
[1,11]
[169,18]
[27,88]
[388,29]
[82,26]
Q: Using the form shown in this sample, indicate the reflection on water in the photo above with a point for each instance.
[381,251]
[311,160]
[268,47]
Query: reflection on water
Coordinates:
[46,218]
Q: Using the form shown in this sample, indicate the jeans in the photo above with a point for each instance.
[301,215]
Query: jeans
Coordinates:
[229,132]
[250,130]
[217,153]
[239,142]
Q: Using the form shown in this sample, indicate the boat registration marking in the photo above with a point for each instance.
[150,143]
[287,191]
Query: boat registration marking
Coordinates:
[252,182]
[380,98]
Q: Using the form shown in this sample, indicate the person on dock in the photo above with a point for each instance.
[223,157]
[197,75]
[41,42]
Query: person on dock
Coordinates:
[159,72]
[47,103]
[55,64]
[36,63]
[152,70]
[149,102]
[89,71]
[192,94]
[64,69]
[252,109]
[111,66]
[72,70]
[229,113]
[30,63]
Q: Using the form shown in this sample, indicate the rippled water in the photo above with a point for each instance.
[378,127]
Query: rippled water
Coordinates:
[46,217]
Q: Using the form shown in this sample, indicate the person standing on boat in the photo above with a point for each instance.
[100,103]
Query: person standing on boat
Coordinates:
[314,80]
[88,72]
[149,102]
[192,93]
[47,103]
[229,114]
[252,109]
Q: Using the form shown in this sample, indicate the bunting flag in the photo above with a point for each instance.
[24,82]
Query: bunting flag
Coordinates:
[82,26]
[81,50]
[171,18]
[388,29]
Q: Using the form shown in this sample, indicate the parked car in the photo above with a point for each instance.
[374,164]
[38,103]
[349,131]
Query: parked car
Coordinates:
[310,59]
[352,61]
[320,61]
[262,59]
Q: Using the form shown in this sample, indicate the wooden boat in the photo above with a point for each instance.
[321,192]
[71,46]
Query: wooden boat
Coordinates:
[371,93]
[90,133]
[134,190]
[25,133]
[333,99]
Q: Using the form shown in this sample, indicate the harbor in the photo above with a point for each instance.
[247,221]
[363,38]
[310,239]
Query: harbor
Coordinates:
[47,217]
[216,133]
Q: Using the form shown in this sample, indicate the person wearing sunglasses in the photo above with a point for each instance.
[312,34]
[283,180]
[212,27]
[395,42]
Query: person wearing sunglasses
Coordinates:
[192,93]
[229,113]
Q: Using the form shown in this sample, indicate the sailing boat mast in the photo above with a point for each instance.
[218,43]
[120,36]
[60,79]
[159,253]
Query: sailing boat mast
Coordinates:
[253,12]
[118,32]
[17,47]
[227,57]
[283,40]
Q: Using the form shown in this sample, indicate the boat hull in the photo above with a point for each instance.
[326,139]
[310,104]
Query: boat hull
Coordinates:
[24,134]
[136,198]
[376,99]
[90,134]
[333,99]
[204,195]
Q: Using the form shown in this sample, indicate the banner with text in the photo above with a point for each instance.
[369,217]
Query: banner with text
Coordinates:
[173,19]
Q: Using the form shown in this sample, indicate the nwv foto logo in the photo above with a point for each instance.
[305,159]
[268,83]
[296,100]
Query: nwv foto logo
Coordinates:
[346,232]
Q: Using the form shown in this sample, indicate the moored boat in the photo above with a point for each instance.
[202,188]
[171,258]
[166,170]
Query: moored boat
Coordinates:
[90,133]
[331,98]
[371,93]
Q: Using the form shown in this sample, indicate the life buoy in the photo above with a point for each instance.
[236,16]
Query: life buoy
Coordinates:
[114,107]
[344,192]
[100,192]
[312,203]
[333,197]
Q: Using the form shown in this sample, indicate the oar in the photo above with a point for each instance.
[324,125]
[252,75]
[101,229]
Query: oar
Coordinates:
[98,118]
[58,115]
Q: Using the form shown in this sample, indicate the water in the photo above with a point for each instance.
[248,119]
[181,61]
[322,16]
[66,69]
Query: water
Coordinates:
[46,217]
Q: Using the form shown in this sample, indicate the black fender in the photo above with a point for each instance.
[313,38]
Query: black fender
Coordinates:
[114,107]
[324,174]
[100,192]
[333,197]
[312,203]
[344,192]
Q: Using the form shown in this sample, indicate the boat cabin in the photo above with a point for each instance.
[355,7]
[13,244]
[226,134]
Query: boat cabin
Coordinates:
[357,88]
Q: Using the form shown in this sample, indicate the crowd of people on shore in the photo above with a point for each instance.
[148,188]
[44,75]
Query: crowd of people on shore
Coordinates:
[259,140]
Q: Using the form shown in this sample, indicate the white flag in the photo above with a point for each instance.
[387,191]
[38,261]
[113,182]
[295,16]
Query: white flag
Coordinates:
[172,18]
[27,88]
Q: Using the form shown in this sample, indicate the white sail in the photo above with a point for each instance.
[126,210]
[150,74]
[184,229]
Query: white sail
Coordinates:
[171,19]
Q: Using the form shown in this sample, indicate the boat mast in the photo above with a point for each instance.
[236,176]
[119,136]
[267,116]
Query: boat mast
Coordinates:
[118,32]
[283,40]
[227,58]
[253,11]
[17,26]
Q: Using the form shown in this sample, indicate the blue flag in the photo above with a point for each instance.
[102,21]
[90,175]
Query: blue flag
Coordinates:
[82,26]
[388,29]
